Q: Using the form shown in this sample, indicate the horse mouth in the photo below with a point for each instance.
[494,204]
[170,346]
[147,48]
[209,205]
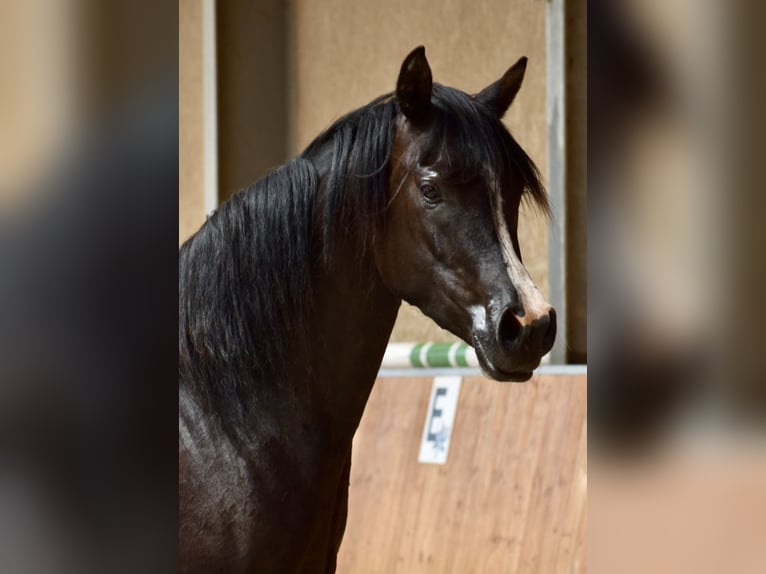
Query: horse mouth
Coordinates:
[508,376]
[520,376]
[497,373]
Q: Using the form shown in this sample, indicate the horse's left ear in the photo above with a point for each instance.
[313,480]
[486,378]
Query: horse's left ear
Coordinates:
[498,96]
[413,88]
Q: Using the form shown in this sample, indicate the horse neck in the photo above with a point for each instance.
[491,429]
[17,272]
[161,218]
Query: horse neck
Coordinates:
[352,320]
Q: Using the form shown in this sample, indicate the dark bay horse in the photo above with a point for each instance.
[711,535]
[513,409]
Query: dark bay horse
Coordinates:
[289,292]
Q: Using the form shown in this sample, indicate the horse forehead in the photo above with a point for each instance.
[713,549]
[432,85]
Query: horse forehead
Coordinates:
[434,154]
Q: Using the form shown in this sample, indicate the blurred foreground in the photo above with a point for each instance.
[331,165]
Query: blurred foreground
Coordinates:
[677,392]
[88,284]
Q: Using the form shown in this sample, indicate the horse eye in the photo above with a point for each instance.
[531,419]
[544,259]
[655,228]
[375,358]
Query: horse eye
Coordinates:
[430,193]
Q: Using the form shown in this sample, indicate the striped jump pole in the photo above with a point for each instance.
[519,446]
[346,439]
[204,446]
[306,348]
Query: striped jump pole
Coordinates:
[429,355]
[417,359]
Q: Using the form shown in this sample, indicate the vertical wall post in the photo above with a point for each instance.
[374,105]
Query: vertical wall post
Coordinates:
[556,70]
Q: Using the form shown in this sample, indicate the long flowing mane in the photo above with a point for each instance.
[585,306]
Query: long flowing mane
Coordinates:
[245,278]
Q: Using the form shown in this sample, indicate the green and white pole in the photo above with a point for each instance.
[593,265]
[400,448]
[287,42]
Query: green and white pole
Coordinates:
[429,355]
[425,359]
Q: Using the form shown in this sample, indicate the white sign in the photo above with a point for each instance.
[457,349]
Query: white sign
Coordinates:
[440,419]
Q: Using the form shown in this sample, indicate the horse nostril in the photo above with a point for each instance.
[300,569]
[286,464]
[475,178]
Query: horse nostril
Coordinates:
[510,328]
[550,333]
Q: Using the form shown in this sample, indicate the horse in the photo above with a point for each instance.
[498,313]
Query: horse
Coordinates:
[288,295]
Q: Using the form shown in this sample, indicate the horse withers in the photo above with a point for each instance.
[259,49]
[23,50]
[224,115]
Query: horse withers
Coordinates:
[288,295]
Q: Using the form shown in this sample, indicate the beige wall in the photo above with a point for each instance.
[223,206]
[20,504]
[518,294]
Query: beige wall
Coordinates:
[191,204]
[252,77]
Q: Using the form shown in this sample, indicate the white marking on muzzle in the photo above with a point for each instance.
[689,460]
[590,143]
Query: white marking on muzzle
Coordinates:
[532,301]
[479,317]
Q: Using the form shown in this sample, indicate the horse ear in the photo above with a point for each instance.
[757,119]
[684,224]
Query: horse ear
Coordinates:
[413,88]
[499,95]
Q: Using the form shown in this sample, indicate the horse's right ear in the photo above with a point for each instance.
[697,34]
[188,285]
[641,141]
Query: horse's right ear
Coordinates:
[413,88]
[499,96]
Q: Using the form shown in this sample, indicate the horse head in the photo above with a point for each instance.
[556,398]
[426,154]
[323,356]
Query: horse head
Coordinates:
[449,244]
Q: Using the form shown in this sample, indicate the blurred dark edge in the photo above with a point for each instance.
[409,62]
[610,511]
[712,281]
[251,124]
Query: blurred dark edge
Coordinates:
[88,328]
[676,459]
[637,391]
[631,393]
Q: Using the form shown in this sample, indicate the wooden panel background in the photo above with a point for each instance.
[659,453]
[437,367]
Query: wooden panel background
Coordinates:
[511,497]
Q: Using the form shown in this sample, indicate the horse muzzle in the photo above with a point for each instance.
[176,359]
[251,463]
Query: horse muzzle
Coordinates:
[513,346]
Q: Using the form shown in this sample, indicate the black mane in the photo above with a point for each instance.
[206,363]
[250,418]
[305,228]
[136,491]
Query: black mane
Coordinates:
[245,277]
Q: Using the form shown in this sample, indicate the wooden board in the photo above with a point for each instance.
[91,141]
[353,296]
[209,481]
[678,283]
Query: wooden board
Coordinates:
[511,497]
